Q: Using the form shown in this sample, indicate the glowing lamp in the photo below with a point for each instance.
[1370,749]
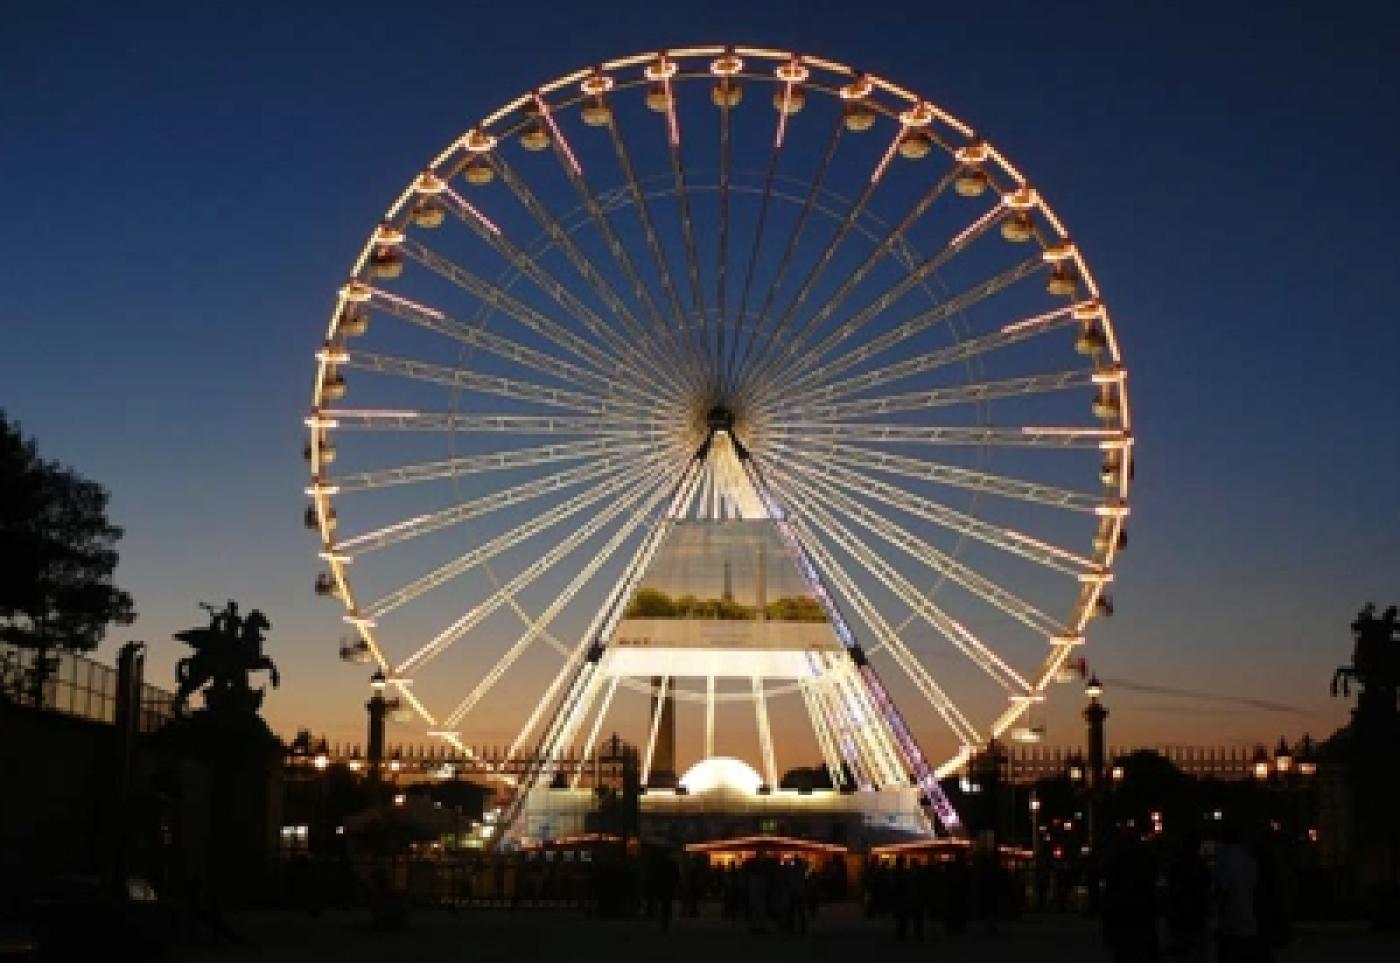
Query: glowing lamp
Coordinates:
[1260,764]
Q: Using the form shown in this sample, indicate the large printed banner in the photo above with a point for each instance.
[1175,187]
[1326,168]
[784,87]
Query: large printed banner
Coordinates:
[724,584]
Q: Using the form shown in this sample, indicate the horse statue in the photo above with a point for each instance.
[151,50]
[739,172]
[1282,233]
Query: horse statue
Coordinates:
[226,652]
[1375,662]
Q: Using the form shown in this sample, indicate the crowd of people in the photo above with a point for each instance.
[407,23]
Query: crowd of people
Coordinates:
[1234,908]
[950,891]
[766,892]
[1227,899]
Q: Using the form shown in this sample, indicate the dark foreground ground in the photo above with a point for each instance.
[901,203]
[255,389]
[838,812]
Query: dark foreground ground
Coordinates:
[840,933]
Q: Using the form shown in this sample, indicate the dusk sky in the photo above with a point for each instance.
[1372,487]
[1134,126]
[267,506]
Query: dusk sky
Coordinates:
[186,184]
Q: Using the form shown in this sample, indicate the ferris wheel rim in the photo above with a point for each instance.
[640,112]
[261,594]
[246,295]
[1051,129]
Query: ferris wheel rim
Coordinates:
[928,114]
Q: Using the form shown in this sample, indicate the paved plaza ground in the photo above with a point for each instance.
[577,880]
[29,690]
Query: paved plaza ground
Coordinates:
[840,933]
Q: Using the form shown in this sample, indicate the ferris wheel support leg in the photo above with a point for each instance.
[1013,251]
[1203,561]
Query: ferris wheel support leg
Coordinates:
[587,676]
[539,768]
[918,675]
[765,734]
[709,716]
[824,740]
[914,762]
[655,729]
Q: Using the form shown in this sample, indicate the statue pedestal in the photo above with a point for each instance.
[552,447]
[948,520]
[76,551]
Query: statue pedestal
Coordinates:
[224,769]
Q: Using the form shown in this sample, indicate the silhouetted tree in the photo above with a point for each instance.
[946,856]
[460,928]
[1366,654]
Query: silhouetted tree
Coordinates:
[57,556]
[1152,783]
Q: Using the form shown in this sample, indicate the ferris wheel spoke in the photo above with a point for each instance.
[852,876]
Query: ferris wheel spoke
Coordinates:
[785,263]
[451,421]
[564,240]
[658,254]
[692,258]
[497,298]
[728,364]
[945,565]
[615,247]
[821,728]
[477,335]
[478,613]
[599,627]
[1007,539]
[851,356]
[835,716]
[789,364]
[475,464]
[851,456]
[465,562]
[522,260]
[513,388]
[722,267]
[849,221]
[899,652]
[584,679]
[568,674]
[1007,335]
[537,626]
[850,735]
[593,730]
[889,768]
[953,631]
[886,244]
[1054,436]
[971,393]
[420,525]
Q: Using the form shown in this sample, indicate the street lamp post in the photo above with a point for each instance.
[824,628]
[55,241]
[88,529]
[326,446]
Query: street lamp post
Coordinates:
[1094,716]
[1292,774]
[379,708]
[1034,807]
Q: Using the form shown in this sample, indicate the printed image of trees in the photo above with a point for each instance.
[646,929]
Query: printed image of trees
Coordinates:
[652,603]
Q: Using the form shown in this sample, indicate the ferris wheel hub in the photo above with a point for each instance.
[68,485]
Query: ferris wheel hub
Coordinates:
[720,418]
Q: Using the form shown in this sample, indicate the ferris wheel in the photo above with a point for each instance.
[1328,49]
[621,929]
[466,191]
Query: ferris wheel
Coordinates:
[722,284]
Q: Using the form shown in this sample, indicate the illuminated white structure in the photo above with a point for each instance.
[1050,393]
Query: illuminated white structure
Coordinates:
[708,286]
[723,798]
[721,773]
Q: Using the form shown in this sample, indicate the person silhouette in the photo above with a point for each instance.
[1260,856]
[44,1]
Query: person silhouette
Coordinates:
[1188,903]
[228,623]
[1236,885]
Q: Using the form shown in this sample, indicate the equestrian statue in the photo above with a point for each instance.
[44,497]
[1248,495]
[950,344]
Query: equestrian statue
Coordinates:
[1375,662]
[226,652]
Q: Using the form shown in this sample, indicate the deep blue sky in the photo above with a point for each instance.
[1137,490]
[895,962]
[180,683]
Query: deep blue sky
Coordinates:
[185,185]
